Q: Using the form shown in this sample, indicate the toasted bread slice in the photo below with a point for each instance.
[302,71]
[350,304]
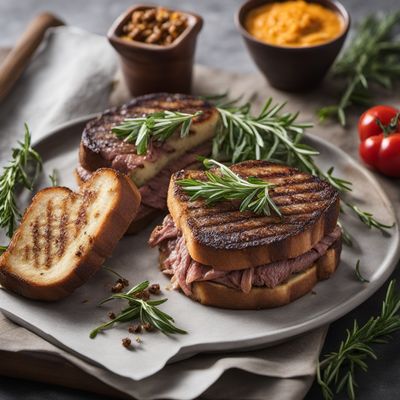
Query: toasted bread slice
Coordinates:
[222,236]
[217,295]
[64,236]
[102,148]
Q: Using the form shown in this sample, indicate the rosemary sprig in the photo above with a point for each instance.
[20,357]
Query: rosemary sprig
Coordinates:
[15,174]
[358,273]
[146,311]
[271,135]
[226,185]
[338,368]
[372,57]
[53,178]
[368,219]
[158,126]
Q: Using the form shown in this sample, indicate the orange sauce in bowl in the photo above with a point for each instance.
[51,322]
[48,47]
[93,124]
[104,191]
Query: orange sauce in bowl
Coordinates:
[294,23]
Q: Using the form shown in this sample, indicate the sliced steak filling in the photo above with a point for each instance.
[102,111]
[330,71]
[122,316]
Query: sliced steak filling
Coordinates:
[184,270]
[154,192]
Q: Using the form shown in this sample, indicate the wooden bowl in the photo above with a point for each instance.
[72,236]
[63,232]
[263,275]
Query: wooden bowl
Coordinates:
[150,68]
[294,69]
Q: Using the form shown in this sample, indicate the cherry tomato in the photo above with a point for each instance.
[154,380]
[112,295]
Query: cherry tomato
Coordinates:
[379,132]
[367,125]
[389,155]
[369,150]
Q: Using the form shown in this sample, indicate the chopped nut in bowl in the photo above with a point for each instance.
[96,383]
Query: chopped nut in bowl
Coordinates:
[155,26]
[156,47]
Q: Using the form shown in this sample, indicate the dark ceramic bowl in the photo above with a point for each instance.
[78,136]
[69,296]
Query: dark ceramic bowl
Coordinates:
[293,69]
[152,68]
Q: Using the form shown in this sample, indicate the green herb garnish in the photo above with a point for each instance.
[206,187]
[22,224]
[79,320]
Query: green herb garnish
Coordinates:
[368,219]
[53,178]
[372,58]
[271,136]
[338,368]
[15,174]
[358,273]
[346,237]
[158,126]
[226,185]
[146,311]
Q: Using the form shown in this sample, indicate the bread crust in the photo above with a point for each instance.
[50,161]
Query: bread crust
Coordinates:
[86,262]
[227,256]
[217,295]
[144,216]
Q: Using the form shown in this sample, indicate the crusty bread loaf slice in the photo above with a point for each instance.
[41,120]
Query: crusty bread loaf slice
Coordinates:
[64,236]
[217,295]
[222,236]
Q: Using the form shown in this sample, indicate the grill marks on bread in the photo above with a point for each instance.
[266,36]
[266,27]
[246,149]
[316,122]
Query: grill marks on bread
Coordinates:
[301,198]
[53,230]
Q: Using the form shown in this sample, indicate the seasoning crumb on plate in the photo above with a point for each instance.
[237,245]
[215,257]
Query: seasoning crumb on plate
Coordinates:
[126,342]
[135,328]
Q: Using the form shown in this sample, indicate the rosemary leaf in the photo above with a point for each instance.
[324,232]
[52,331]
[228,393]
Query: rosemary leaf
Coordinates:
[15,174]
[53,178]
[346,237]
[358,273]
[226,185]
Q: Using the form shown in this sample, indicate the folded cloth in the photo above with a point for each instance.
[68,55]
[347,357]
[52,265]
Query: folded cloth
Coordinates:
[72,75]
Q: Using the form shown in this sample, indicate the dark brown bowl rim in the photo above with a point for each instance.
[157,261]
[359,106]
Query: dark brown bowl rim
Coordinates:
[195,22]
[336,4]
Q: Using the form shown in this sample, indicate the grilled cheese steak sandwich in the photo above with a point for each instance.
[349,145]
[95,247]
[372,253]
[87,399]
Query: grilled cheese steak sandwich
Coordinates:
[151,172]
[64,237]
[223,257]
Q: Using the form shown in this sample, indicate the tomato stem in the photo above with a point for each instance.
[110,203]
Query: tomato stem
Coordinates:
[391,127]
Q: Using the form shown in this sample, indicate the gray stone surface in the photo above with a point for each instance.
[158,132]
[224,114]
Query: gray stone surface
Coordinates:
[219,46]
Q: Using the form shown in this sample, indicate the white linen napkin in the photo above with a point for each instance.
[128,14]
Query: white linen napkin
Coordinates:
[72,75]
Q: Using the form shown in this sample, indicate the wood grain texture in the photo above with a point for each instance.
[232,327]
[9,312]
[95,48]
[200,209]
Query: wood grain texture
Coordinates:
[18,58]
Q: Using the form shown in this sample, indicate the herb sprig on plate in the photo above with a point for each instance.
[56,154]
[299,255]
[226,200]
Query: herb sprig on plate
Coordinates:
[146,311]
[373,57]
[338,368]
[224,184]
[272,135]
[158,126]
[15,174]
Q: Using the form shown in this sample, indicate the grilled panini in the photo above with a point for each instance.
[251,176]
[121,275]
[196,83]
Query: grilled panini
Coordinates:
[224,257]
[100,147]
[64,237]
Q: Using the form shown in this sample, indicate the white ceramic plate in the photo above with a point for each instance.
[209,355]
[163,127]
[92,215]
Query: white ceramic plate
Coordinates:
[68,323]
